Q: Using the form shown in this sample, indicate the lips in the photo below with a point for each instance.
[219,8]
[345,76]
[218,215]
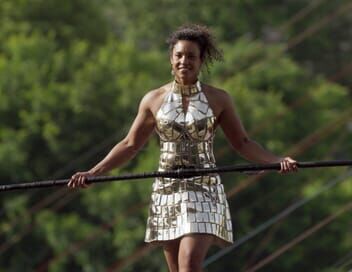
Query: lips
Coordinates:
[184,69]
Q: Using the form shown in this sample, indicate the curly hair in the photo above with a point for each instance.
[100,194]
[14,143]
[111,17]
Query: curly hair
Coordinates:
[201,35]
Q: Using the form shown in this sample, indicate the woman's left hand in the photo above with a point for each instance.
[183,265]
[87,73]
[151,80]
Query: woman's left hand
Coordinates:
[288,165]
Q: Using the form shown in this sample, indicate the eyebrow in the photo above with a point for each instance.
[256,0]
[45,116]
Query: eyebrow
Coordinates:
[185,52]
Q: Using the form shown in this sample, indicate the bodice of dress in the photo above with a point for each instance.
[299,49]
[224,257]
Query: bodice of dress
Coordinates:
[186,136]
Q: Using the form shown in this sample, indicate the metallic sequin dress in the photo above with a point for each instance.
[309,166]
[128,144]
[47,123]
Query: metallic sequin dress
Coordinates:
[191,205]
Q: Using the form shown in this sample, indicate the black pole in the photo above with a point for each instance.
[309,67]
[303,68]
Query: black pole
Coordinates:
[180,173]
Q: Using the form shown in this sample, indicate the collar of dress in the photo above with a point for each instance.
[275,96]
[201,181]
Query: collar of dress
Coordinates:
[186,90]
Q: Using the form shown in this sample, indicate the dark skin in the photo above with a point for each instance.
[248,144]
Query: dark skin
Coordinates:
[188,252]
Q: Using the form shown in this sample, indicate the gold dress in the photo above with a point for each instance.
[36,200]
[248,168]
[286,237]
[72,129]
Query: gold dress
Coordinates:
[190,205]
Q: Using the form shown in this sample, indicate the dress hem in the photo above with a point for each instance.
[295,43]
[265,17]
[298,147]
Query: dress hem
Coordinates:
[218,241]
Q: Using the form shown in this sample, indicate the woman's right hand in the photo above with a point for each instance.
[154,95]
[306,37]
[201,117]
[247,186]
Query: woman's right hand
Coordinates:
[79,180]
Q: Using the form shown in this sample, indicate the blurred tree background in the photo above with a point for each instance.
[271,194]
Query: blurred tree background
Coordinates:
[71,76]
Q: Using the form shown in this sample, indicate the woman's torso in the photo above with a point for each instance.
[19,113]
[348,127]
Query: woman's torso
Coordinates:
[186,130]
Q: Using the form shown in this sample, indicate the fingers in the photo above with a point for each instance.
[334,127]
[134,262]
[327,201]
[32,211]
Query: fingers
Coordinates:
[79,180]
[288,165]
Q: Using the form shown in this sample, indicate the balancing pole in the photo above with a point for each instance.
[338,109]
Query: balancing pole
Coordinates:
[180,173]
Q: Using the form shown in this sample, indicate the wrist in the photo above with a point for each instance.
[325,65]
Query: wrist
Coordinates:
[95,171]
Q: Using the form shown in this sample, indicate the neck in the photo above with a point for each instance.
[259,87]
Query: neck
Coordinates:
[186,90]
[186,81]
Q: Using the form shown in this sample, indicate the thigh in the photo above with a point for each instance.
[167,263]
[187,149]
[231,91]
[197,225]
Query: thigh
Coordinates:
[193,249]
[171,249]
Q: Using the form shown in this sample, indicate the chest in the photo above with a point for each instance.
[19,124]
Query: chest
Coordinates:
[185,117]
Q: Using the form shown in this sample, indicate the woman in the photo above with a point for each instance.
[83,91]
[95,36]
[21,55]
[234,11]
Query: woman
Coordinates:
[186,215]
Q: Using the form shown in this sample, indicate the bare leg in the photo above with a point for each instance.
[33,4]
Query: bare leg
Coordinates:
[192,251]
[171,254]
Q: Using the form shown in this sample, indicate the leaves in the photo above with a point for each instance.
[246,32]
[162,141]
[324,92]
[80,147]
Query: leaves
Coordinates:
[71,78]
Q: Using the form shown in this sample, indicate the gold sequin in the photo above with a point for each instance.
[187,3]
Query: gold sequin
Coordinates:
[189,205]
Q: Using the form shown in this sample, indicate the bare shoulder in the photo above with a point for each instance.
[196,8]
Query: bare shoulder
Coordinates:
[154,98]
[218,99]
[215,93]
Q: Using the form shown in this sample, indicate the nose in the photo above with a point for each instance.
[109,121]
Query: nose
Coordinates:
[184,59]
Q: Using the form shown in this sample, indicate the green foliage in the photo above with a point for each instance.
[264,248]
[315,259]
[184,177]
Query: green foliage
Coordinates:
[72,74]
[66,20]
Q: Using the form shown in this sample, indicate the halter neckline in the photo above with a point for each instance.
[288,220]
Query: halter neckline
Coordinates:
[186,90]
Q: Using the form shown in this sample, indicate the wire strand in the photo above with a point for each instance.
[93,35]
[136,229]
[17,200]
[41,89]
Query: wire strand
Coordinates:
[300,238]
[277,218]
[39,205]
[313,138]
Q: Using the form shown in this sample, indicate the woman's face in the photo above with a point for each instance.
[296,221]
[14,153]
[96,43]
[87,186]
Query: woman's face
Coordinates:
[186,61]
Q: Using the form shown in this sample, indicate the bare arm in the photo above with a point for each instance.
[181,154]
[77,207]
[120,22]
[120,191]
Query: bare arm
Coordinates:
[137,136]
[238,137]
[126,149]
